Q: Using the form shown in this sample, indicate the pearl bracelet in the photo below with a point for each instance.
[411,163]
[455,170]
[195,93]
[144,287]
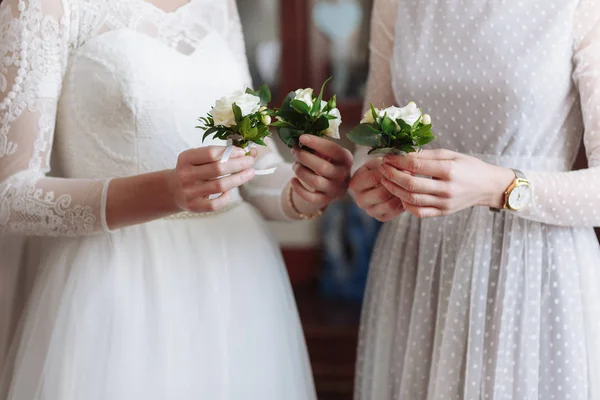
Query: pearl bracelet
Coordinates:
[299,214]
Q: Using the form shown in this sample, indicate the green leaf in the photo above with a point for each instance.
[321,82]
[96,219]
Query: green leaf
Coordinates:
[373,112]
[388,126]
[382,151]
[407,148]
[263,130]
[244,125]
[416,125]
[300,106]
[237,112]
[252,92]
[280,124]
[423,140]
[373,129]
[404,126]
[259,141]
[289,136]
[364,135]
[264,94]
[208,133]
[320,125]
[317,104]
[422,130]
[252,133]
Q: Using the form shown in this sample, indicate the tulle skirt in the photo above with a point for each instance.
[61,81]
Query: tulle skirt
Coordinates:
[481,305]
[173,309]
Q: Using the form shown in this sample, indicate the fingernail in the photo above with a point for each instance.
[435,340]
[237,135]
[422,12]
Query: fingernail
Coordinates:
[304,139]
[293,151]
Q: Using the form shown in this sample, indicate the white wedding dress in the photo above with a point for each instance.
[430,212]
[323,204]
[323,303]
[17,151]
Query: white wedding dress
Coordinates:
[482,305]
[189,307]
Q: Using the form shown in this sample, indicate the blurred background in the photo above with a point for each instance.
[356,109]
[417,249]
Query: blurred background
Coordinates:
[295,44]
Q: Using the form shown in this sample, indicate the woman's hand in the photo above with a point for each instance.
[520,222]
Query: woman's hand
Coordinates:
[459,182]
[321,177]
[371,196]
[199,174]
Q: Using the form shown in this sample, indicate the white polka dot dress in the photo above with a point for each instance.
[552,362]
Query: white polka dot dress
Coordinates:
[482,305]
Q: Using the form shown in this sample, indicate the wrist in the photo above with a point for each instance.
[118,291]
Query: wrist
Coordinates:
[500,180]
[297,208]
[138,199]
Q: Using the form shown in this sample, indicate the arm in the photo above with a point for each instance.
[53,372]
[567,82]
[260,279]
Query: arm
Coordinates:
[30,83]
[573,198]
[381,47]
[34,50]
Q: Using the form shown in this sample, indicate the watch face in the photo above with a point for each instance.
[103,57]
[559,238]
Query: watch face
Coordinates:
[519,197]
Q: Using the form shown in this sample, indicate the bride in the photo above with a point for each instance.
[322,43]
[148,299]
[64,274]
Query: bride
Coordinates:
[140,285]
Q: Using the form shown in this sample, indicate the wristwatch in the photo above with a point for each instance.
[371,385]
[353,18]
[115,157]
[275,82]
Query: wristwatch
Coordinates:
[519,193]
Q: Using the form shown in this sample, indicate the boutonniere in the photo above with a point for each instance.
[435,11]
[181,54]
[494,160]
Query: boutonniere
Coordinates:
[393,130]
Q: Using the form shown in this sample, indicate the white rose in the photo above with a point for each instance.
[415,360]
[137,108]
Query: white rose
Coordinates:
[368,117]
[426,119]
[334,124]
[222,112]
[305,96]
[409,114]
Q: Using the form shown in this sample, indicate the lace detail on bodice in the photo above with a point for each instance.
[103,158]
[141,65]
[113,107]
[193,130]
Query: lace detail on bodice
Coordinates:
[40,46]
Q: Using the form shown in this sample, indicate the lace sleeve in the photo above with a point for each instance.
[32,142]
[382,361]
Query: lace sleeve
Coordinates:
[34,48]
[573,198]
[381,47]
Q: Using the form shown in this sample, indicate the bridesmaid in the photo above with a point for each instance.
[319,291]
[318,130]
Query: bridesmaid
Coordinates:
[465,301]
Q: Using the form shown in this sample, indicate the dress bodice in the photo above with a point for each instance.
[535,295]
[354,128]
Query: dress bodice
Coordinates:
[134,102]
[110,89]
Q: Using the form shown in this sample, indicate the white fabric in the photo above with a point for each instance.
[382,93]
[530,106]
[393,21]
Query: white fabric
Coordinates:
[481,305]
[174,309]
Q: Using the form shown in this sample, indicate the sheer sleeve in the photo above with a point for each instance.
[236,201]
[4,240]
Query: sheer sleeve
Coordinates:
[573,198]
[263,192]
[34,48]
[381,46]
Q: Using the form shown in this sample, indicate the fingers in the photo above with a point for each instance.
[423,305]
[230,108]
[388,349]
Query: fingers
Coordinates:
[373,163]
[366,179]
[414,184]
[321,184]
[336,153]
[435,154]
[201,204]
[370,198]
[386,211]
[203,189]
[415,199]
[205,172]
[308,196]
[437,168]
[320,166]
[424,212]
[205,155]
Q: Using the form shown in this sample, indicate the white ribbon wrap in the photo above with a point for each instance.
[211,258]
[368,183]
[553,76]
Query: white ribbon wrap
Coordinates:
[229,150]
